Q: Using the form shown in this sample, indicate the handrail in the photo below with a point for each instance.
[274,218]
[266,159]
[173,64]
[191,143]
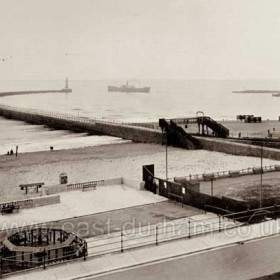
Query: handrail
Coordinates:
[228,173]
[82,185]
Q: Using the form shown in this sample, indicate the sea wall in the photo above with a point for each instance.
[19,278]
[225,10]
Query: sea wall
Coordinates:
[134,133]
[46,200]
[132,183]
[49,190]
[240,149]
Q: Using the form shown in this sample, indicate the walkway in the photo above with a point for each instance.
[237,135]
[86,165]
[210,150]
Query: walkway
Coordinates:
[253,259]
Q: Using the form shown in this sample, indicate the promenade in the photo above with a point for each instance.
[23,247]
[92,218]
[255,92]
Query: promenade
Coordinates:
[220,253]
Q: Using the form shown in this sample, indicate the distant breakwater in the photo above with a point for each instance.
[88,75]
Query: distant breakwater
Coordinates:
[137,133]
[257,91]
[10,93]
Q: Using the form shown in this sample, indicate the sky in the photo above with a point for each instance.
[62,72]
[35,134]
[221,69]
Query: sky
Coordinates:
[139,39]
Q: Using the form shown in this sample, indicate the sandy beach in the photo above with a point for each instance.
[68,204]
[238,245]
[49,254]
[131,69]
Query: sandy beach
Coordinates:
[110,161]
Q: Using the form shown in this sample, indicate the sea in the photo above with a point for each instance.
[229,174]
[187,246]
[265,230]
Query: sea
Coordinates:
[90,98]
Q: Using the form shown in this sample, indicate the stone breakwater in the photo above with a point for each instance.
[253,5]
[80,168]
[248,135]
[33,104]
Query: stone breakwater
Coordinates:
[23,92]
[81,124]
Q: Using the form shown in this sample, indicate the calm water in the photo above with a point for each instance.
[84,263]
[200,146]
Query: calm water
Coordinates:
[168,98]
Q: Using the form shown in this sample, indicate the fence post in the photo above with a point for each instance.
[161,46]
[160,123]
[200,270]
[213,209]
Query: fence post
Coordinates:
[219,223]
[122,241]
[156,234]
[44,259]
[189,222]
[85,250]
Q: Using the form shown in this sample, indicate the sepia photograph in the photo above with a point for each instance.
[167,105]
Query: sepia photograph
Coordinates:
[139,139]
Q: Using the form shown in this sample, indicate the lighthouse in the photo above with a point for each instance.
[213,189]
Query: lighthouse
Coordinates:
[66,88]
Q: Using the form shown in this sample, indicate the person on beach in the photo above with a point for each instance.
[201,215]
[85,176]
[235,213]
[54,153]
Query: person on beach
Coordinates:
[11,152]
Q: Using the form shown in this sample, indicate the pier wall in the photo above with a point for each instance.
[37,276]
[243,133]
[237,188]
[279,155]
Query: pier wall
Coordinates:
[129,132]
[134,133]
[239,149]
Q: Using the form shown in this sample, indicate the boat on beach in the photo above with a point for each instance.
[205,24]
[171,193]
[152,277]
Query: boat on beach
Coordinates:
[128,88]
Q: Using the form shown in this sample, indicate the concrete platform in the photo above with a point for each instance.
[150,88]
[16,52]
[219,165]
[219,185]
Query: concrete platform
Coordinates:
[110,221]
[78,203]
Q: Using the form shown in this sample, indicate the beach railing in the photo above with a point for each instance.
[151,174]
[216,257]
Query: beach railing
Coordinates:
[157,233]
[231,173]
[84,185]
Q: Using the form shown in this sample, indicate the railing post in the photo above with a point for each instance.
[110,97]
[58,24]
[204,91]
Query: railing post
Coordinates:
[85,250]
[1,268]
[156,234]
[122,241]
[275,206]
[189,223]
[44,259]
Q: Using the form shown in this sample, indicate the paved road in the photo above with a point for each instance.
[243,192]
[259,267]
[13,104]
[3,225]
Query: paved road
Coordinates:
[247,261]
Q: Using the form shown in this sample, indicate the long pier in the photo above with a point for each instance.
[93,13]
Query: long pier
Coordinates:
[97,126]
[137,132]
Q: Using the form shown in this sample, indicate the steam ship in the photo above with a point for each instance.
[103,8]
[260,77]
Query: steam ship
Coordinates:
[127,88]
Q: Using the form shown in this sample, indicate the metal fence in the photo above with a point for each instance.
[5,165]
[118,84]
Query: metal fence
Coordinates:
[85,185]
[172,230]
[230,173]
[157,233]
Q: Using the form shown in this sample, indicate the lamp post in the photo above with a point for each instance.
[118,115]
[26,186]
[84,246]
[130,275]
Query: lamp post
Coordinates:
[261,175]
[166,156]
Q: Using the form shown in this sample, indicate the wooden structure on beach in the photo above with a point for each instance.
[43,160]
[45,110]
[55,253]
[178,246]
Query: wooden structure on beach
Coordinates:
[27,187]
